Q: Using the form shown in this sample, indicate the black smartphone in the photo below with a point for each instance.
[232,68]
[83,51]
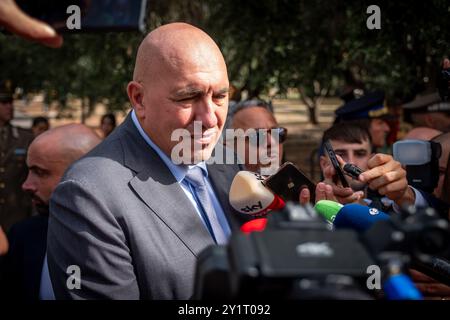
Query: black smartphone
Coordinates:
[334,161]
[94,15]
[288,181]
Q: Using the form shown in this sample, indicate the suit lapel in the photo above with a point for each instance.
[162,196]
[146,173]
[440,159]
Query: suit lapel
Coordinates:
[155,185]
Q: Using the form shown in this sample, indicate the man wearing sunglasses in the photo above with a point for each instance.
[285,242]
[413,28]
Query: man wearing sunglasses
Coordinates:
[264,138]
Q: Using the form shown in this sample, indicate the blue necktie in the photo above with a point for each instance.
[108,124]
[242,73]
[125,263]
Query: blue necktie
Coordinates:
[197,180]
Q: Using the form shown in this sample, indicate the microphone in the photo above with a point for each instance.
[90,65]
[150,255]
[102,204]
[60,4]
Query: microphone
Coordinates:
[255,225]
[249,196]
[353,216]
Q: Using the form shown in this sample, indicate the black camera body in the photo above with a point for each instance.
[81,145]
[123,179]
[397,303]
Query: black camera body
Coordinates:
[294,258]
[299,257]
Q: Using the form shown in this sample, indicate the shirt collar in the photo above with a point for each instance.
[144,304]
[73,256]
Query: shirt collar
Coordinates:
[178,171]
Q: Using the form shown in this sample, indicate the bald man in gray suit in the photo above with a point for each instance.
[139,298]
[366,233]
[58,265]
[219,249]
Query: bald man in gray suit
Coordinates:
[128,222]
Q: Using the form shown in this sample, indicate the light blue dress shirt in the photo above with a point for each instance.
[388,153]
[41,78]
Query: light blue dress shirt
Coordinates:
[46,289]
[179,172]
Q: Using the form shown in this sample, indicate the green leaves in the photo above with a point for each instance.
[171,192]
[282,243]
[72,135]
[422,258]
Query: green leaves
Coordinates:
[319,46]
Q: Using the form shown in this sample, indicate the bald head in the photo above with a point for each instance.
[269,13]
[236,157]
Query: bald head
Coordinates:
[253,117]
[180,78]
[66,143]
[422,133]
[171,46]
[49,155]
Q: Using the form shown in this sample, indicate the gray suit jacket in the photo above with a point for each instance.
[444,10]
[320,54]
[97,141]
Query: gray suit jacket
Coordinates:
[121,217]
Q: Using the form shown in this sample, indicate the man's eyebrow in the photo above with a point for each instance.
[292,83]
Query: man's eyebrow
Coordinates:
[223,90]
[192,91]
[34,168]
[188,91]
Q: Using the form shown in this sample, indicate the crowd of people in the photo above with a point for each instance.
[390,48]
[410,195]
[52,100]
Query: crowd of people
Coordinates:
[133,222]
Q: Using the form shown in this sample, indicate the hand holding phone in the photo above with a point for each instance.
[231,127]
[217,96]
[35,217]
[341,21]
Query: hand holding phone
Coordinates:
[335,163]
[288,181]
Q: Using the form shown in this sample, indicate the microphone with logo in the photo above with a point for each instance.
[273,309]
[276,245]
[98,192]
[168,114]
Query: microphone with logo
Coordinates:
[418,233]
[353,216]
[396,285]
[249,196]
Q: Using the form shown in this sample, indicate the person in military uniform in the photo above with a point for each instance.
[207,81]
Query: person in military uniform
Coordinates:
[428,110]
[15,204]
[369,111]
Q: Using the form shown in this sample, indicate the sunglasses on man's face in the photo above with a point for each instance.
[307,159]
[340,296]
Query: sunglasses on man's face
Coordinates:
[258,136]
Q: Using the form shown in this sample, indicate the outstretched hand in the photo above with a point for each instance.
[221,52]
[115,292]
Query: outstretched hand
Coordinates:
[18,22]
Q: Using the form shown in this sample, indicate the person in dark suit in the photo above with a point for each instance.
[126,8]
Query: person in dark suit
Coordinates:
[24,268]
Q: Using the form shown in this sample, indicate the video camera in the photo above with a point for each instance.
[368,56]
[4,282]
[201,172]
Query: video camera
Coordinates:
[299,257]
[296,257]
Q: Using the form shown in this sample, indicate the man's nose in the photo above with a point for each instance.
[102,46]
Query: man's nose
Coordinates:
[28,185]
[350,159]
[206,113]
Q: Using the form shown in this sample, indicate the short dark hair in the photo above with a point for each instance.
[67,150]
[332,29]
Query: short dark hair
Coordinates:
[111,117]
[38,120]
[350,132]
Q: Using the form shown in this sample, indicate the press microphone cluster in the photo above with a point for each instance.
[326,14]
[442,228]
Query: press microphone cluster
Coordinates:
[290,230]
[421,234]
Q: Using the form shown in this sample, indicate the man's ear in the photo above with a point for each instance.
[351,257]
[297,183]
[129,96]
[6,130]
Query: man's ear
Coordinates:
[135,92]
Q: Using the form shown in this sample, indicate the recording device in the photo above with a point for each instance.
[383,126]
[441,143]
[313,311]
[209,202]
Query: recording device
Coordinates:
[98,15]
[418,233]
[352,170]
[444,84]
[296,257]
[288,181]
[424,232]
[334,161]
[354,216]
[421,159]
[249,196]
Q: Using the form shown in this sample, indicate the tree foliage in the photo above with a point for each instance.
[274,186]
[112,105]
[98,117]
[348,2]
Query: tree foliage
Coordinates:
[317,47]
